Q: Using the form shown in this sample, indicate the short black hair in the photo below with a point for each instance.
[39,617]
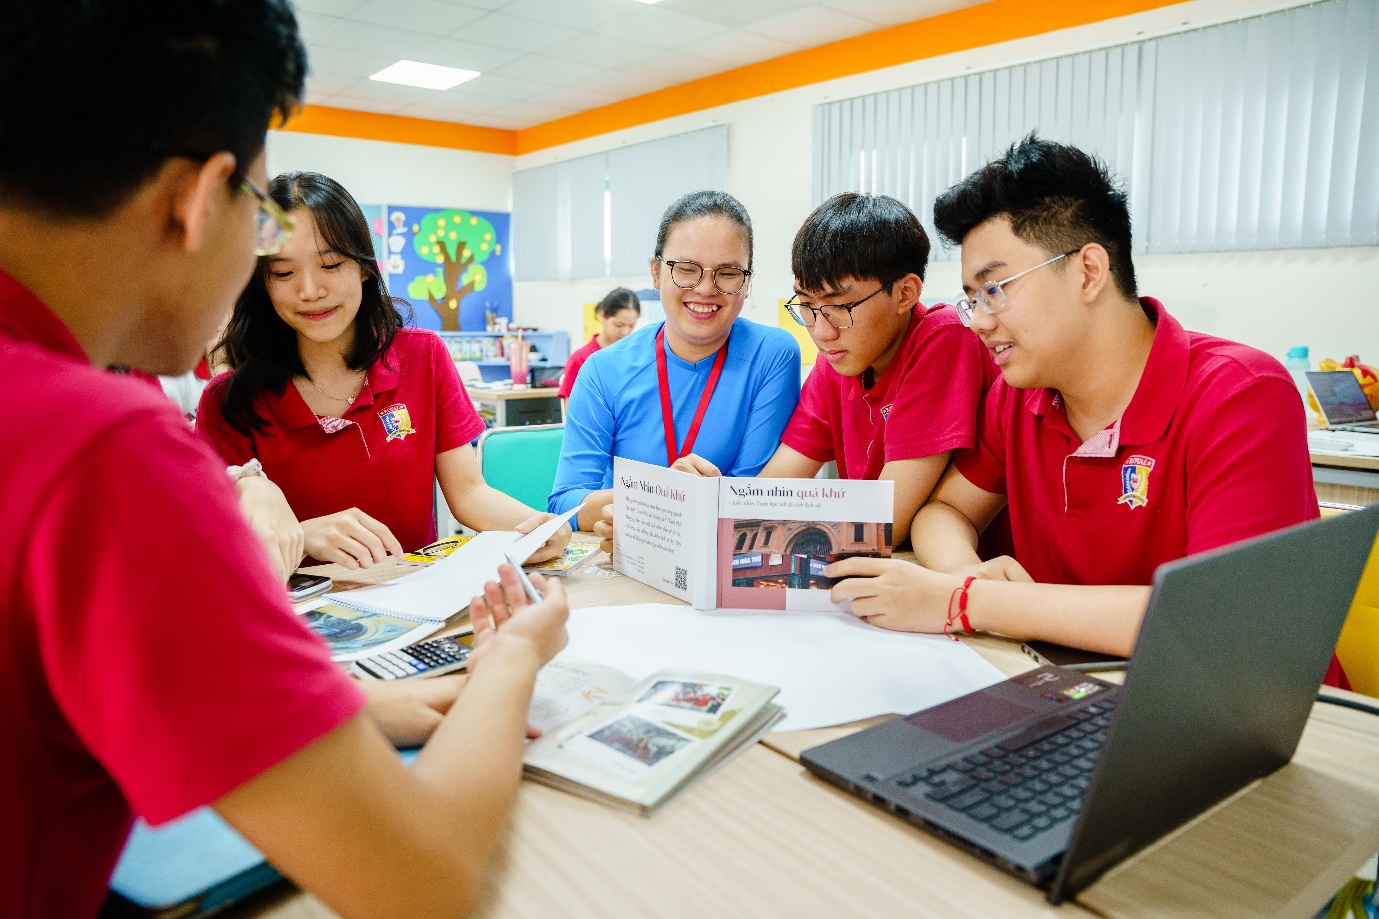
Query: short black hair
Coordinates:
[260,348]
[705,204]
[98,94]
[858,236]
[1056,196]
[617,300]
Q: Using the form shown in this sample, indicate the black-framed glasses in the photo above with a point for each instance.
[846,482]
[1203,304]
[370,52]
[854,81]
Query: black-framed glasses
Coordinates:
[991,296]
[273,226]
[838,315]
[687,275]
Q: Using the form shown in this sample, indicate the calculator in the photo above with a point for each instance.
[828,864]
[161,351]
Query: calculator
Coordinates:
[427,658]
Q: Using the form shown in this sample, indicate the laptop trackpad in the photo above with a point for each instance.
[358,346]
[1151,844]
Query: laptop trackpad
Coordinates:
[967,718]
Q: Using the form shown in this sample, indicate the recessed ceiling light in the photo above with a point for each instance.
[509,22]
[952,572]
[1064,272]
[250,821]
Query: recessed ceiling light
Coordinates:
[648,2]
[423,76]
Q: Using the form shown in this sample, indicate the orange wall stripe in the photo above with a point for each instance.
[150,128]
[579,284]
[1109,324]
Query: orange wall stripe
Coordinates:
[338,122]
[961,30]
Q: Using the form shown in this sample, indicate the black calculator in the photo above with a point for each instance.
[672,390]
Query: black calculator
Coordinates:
[427,658]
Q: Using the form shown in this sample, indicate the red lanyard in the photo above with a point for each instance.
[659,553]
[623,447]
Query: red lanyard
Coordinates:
[667,415]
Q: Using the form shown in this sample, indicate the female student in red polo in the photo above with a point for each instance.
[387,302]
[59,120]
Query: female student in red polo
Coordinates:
[349,413]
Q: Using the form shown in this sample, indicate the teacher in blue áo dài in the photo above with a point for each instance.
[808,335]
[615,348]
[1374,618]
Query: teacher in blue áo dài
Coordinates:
[705,385]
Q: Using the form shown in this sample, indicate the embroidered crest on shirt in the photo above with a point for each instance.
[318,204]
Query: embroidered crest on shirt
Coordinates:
[396,421]
[886,410]
[1134,481]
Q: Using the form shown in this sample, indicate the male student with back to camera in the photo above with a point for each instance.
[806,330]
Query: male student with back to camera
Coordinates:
[133,680]
[1118,439]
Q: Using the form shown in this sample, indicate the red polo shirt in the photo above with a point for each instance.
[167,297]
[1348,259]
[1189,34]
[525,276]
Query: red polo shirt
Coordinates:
[149,660]
[576,361]
[1212,449]
[379,457]
[924,403]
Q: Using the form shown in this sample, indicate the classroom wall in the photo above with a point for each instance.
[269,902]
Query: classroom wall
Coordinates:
[377,172]
[1322,298]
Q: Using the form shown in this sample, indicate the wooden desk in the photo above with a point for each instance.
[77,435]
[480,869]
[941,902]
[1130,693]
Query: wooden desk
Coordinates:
[762,837]
[497,400]
[1346,479]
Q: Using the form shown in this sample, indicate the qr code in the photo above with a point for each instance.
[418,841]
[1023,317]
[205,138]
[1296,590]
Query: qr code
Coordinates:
[681,579]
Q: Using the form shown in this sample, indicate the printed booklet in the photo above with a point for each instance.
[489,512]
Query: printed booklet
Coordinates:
[577,552]
[744,543]
[636,743]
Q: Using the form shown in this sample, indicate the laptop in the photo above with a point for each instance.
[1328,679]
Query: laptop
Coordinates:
[187,868]
[1343,402]
[1056,776]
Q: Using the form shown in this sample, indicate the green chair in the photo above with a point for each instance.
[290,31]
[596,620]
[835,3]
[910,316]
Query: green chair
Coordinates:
[521,461]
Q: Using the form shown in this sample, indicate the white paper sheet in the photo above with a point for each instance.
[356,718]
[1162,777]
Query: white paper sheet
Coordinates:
[1344,443]
[446,586]
[832,668]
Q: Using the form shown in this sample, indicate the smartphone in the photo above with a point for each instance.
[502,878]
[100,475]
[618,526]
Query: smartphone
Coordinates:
[305,586]
[533,594]
[426,658]
[1046,652]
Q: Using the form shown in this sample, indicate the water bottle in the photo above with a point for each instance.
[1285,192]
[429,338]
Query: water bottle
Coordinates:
[1297,364]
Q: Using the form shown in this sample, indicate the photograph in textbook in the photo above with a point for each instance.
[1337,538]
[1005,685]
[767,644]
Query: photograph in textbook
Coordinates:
[776,554]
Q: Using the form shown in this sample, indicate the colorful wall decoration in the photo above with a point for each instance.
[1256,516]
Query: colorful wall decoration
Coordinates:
[453,265]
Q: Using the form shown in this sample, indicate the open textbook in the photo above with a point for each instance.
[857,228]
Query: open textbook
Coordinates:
[636,743]
[743,543]
[375,620]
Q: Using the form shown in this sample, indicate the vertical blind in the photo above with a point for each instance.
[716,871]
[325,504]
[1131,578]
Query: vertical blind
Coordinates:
[1257,134]
[558,214]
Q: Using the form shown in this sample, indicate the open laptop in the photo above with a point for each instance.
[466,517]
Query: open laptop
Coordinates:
[1343,402]
[1056,776]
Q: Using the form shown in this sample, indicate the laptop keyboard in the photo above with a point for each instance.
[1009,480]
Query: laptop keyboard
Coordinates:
[1027,783]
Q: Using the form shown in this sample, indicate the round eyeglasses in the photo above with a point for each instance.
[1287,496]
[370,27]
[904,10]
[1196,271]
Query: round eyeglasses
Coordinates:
[273,226]
[687,275]
[991,296]
[838,315]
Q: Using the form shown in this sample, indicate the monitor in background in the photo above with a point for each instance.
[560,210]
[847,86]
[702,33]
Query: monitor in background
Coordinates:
[1340,396]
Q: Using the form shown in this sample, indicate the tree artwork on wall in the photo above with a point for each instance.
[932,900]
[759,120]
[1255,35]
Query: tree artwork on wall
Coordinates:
[458,243]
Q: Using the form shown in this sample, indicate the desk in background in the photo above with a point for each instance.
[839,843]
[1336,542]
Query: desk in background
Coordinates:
[1346,479]
[762,837]
[513,407]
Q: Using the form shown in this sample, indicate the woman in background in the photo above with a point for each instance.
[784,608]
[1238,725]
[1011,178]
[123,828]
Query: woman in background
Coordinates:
[618,313]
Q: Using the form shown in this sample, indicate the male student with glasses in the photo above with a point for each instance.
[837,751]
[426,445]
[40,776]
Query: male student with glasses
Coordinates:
[158,666]
[895,388]
[1117,439]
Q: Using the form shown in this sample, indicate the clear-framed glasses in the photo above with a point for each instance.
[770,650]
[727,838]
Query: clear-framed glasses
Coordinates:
[838,315]
[991,296]
[687,275]
[273,227]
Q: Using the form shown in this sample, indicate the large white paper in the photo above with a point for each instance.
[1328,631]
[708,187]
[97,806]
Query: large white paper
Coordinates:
[832,668]
[1343,443]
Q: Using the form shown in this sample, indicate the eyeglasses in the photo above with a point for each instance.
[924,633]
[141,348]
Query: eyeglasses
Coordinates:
[273,227]
[991,296]
[687,275]
[839,315]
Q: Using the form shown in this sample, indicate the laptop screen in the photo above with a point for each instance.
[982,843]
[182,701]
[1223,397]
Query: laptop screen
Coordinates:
[1340,396]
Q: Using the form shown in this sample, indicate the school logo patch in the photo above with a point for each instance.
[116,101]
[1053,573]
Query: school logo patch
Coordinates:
[1134,481]
[886,411]
[396,421]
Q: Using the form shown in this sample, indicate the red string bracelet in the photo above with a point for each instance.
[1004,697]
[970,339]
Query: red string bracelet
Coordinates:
[960,617]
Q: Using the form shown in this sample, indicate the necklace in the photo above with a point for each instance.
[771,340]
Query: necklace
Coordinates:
[348,400]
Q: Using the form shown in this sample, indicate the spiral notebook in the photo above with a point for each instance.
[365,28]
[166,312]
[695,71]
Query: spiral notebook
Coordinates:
[375,620]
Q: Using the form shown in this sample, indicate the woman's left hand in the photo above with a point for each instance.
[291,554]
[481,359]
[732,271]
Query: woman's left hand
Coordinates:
[554,546]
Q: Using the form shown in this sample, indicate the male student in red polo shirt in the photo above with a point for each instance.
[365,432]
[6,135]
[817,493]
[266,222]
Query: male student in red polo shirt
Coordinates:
[150,662]
[895,389]
[1117,439]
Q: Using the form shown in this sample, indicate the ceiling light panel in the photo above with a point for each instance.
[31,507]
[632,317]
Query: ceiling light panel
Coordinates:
[423,76]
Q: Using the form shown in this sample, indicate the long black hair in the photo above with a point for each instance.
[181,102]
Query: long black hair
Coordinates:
[260,348]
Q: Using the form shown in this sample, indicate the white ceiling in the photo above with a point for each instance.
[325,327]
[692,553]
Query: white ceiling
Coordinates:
[545,59]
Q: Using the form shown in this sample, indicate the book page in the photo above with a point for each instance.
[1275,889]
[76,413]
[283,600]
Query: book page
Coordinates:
[659,521]
[776,536]
[354,635]
[568,687]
